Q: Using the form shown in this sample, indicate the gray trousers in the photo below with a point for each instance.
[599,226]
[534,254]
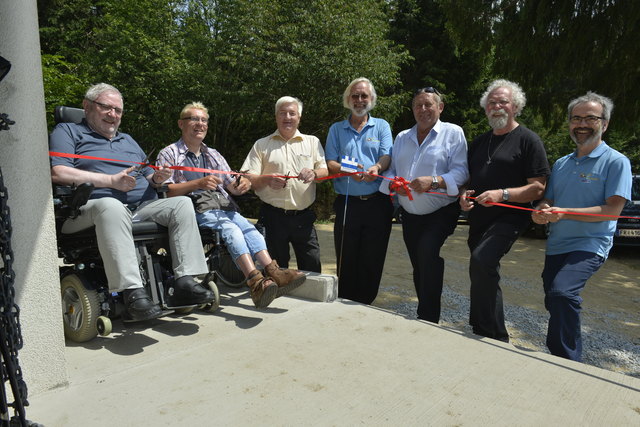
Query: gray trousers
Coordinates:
[113,222]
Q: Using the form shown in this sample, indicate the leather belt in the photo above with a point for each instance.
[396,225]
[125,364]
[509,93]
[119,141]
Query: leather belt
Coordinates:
[366,196]
[291,212]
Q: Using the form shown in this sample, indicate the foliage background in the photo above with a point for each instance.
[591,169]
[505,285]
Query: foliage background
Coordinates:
[240,56]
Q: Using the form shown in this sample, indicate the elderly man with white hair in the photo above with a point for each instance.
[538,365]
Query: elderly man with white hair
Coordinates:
[285,212]
[507,165]
[363,214]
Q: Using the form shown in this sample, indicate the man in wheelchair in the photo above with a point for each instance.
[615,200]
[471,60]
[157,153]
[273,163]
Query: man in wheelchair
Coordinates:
[124,194]
[215,208]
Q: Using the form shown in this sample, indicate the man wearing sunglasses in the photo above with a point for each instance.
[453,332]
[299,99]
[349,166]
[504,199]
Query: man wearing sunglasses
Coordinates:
[594,180]
[120,193]
[215,208]
[432,156]
[363,214]
[507,165]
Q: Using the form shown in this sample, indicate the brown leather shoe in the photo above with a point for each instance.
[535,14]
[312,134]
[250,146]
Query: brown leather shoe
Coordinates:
[263,289]
[286,279]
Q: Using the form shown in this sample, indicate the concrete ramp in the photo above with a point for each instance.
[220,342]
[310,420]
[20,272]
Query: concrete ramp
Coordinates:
[310,363]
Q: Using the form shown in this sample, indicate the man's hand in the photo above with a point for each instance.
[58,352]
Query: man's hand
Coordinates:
[466,204]
[276,183]
[371,173]
[490,196]
[545,214]
[421,184]
[307,175]
[209,182]
[238,187]
[123,181]
[161,175]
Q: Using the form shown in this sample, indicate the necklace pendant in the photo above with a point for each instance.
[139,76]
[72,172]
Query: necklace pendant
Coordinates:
[489,161]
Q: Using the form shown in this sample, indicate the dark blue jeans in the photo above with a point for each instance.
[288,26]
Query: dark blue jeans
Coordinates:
[423,236]
[564,277]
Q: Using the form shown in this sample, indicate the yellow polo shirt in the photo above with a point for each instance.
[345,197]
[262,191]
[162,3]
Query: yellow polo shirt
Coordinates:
[272,155]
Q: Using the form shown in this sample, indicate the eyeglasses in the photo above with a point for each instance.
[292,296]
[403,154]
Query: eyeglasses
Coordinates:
[107,108]
[194,119]
[356,96]
[428,89]
[590,120]
[500,103]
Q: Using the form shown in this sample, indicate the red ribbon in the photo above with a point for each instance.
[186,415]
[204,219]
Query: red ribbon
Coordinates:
[397,182]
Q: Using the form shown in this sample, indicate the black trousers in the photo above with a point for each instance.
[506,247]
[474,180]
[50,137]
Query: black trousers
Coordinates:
[282,229]
[423,236]
[361,245]
[488,245]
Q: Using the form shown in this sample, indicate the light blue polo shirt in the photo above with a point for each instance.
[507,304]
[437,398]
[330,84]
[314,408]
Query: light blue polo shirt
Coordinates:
[583,182]
[368,145]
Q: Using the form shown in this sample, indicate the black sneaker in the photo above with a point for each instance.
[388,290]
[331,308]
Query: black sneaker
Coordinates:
[186,291]
[139,306]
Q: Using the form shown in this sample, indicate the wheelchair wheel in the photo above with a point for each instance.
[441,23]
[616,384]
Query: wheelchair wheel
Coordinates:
[227,272]
[215,304]
[80,309]
[103,326]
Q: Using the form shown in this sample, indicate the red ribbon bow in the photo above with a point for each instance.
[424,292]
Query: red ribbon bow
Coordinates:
[400,182]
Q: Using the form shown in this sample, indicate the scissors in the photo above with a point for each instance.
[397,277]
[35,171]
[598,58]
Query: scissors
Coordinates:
[138,170]
[239,175]
[286,179]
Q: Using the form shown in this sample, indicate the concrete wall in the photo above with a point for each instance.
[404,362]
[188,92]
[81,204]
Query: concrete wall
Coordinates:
[25,167]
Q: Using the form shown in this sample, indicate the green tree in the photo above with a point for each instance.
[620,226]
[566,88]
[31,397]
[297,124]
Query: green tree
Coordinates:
[558,50]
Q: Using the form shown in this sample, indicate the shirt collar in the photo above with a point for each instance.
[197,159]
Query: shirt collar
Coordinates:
[183,149]
[596,152]
[296,136]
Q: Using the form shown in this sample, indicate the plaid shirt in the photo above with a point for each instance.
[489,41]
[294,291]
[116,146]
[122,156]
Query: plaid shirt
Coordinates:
[176,154]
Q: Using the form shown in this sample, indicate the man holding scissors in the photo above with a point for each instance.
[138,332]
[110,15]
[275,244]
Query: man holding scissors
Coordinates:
[120,195]
[216,209]
[285,211]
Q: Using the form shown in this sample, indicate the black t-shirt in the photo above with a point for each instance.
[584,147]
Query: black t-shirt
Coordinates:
[504,161]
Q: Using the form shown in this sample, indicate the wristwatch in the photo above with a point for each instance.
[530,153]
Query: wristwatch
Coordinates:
[434,184]
[505,195]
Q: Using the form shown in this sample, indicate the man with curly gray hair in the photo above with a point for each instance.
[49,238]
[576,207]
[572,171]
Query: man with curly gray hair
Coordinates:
[507,165]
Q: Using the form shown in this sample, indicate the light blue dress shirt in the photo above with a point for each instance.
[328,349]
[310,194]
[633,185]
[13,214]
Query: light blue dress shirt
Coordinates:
[442,153]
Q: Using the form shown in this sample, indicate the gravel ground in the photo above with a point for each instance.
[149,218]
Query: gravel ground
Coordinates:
[602,348]
[611,307]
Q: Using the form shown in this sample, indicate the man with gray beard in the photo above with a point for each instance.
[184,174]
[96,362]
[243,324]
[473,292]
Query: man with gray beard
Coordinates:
[594,182]
[507,165]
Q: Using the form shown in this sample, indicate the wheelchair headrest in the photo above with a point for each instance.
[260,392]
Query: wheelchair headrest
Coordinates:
[64,114]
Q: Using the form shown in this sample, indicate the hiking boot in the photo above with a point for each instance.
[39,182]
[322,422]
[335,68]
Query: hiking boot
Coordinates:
[139,306]
[186,291]
[286,279]
[263,289]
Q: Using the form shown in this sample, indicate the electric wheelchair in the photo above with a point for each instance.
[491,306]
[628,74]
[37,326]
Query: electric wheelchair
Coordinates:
[87,303]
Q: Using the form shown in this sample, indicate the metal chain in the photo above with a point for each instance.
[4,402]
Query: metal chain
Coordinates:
[10,334]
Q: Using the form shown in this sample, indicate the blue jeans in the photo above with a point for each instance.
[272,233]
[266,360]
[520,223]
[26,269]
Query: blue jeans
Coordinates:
[564,277]
[240,236]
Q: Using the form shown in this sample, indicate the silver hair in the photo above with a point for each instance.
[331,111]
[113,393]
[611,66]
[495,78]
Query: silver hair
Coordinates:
[518,98]
[98,89]
[289,100]
[607,103]
[347,92]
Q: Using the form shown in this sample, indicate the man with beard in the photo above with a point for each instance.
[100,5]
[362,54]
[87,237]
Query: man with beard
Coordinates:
[586,192]
[363,214]
[506,165]
[432,155]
